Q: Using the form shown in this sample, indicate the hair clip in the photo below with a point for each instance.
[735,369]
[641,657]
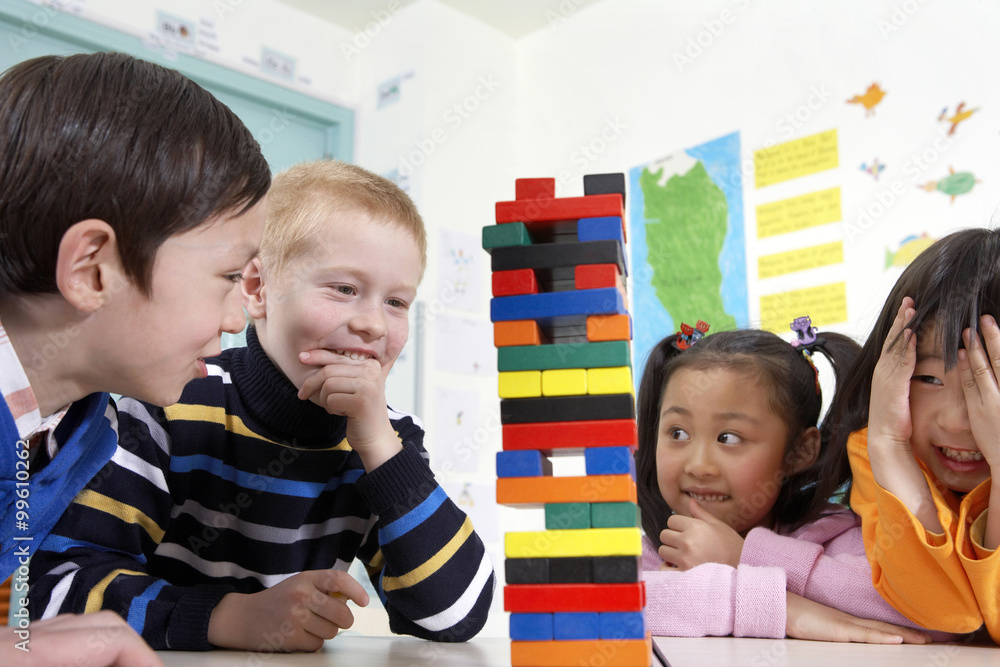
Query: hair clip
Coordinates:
[807,342]
[689,335]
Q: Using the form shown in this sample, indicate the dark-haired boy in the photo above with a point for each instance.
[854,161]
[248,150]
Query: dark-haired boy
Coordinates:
[130,201]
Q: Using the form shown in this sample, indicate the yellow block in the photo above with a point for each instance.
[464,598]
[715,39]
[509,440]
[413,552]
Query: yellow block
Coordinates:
[792,159]
[564,382]
[800,259]
[573,542]
[790,215]
[609,380]
[826,304]
[520,384]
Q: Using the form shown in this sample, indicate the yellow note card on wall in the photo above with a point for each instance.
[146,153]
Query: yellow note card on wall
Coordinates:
[825,304]
[802,212]
[801,259]
[808,155]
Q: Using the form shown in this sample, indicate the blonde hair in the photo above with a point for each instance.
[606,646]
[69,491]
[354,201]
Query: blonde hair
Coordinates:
[304,198]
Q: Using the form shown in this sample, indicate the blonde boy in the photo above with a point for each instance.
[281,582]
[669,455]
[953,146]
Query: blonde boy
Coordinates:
[259,488]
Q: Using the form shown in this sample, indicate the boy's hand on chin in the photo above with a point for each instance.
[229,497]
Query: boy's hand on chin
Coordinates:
[353,388]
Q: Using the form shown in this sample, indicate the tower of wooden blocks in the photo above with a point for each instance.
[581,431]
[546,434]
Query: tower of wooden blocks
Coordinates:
[562,332]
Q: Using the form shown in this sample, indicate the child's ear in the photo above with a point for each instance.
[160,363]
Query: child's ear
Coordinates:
[88,266]
[804,452]
[254,289]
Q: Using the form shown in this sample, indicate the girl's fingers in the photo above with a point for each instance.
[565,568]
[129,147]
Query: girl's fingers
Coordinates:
[975,369]
[990,333]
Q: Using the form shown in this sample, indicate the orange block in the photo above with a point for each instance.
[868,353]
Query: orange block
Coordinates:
[588,489]
[610,652]
[516,332]
[609,327]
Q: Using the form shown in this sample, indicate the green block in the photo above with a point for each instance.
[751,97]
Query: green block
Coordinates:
[614,515]
[561,516]
[506,234]
[605,354]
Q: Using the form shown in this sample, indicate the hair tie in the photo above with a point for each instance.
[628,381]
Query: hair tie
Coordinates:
[689,335]
[807,342]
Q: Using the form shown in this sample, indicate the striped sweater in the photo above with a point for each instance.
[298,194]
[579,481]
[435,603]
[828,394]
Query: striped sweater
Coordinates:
[241,485]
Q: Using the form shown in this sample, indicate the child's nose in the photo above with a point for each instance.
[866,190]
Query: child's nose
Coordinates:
[370,319]
[700,463]
[953,415]
[233,317]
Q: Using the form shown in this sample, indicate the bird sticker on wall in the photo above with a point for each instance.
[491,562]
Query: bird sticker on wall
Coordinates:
[908,250]
[869,100]
[954,184]
[961,113]
[873,169]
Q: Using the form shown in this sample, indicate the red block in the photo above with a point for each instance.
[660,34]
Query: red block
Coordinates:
[566,208]
[577,434]
[574,597]
[517,281]
[593,276]
[534,188]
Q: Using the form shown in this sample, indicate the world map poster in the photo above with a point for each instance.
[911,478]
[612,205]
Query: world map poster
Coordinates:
[688,244]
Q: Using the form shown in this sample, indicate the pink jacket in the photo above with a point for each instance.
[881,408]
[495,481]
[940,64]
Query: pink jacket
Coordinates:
[823,561]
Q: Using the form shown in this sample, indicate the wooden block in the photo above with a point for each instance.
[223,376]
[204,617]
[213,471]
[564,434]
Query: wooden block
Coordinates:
[526,570]
[609,461]
[524,463]
[614,515]
[534,627]
[516,332]
[563,516]
[617,569]
[577,355]
[565,208]
[534,188]
[570,570]
[595,276]
[503,236]
[622,625]
[609,380]
[541,490]
[603,184]
[574,597]
[609,228]
[510,283]
[542,307]
[558,255]
[609,327]
[571,542]
[564,382]
[603,652]
[548,436]
[576,625]
[520,384]
[566,408]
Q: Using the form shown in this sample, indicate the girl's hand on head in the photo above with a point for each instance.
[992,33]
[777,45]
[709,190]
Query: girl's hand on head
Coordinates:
[689,541]
[889,423]
[979,368]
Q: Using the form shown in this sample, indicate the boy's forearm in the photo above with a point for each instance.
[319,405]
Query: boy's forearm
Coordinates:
[380,450]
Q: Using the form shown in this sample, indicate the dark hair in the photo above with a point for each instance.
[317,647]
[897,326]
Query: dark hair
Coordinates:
[952,283]
[793,396]
[111,137]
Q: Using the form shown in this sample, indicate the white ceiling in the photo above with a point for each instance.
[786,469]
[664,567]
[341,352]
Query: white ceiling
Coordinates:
[514,17]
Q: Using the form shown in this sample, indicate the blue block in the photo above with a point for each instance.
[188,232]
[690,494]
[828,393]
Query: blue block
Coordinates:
[600,229]
[531,627]
[523,463]
[622,625]
[576,625]
[609,461]
[543,307]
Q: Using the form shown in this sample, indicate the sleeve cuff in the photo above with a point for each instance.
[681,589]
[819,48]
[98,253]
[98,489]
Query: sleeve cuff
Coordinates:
[977,533]
[760,604]
[397,485]
[188,628]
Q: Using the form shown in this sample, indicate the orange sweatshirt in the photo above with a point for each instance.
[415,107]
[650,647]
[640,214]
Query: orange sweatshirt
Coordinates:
[947,581]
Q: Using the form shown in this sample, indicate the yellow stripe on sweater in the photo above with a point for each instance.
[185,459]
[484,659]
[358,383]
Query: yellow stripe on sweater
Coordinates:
[232,423]
[120,510]
[433,564]
[95,599]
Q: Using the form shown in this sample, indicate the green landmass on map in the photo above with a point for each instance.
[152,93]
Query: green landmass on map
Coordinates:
[686,224]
